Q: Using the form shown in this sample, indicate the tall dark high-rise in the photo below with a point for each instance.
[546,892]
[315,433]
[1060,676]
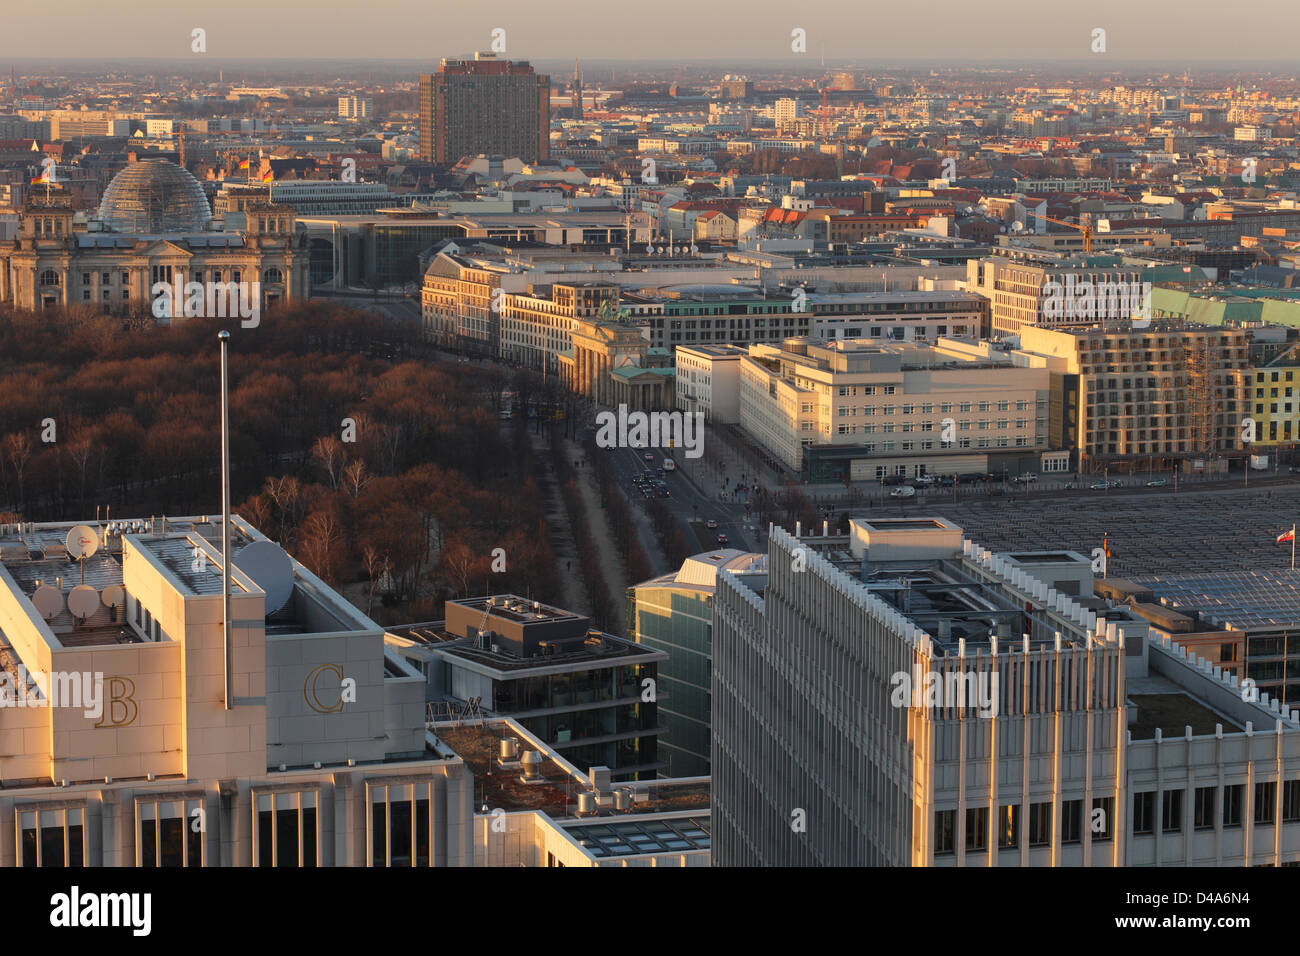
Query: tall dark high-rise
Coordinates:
[577,92]
[484,105]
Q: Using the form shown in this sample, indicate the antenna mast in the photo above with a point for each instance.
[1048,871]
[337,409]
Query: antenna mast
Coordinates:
[224,337]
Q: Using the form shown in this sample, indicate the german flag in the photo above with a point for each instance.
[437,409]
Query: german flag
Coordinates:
[242,166]
[268,176]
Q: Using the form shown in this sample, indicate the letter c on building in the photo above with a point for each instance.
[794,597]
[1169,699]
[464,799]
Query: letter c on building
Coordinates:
[309,689]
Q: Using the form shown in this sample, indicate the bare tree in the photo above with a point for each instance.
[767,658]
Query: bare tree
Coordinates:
[374,564]
[328,452]
[355,478]
[18,450]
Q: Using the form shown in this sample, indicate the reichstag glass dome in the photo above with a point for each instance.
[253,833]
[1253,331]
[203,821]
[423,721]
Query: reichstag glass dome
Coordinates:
[154,196]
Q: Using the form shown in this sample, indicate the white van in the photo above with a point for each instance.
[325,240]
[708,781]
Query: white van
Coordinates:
[669,465]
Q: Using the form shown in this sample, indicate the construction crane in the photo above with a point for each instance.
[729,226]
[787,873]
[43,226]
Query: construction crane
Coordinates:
[1084,228]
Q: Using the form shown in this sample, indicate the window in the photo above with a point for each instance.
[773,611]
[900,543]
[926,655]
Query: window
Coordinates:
[285,833]
[1144,812]
[1290,801]
[1009,826]
[977,829]
[1071,814]
[1265,796]
[1203,809]
[1171,811]
[52,837]
[50,277]
[169,832]
[1040,824]
[399,824]
[1103,813]
[944,827]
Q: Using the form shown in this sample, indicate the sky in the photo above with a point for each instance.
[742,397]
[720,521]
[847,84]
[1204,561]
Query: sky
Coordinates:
[1163,31]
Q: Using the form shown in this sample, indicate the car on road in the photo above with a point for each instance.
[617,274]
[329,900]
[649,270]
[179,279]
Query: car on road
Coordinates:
[906,491]
[648,456]
[1157,483]
[722,539]
[972,476]
[924,481]
[1104,485]
[1025,479]
[892,480]
[659,472]
[710,524]
[947,481]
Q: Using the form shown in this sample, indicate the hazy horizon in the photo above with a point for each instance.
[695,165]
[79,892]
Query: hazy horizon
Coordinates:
[998,32]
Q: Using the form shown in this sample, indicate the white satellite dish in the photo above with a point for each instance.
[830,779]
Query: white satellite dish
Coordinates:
[82,541]
[271,569]
[114,596]
[83,601]
[49,601]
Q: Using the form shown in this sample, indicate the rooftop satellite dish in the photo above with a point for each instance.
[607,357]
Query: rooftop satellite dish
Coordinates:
[49,601]
[271,569]
[114,596]
[82,541]
[83,601]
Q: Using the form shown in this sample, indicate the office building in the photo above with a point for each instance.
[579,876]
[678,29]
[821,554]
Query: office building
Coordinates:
[708,381]
[1156,397]
[673,613]
[905,697]
[132,734]
[590,695]
[1024,293]
[534,808]
[484,105]
[863,409]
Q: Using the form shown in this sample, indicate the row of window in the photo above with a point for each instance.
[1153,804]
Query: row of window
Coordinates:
[1207,813]
[1007,826]
[170,832]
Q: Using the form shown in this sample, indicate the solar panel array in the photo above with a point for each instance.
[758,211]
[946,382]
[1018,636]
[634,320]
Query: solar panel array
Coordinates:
[1167,534]
[1242,599]
[626,837]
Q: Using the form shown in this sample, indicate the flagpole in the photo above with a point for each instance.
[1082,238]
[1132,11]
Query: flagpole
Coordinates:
[1292,551]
